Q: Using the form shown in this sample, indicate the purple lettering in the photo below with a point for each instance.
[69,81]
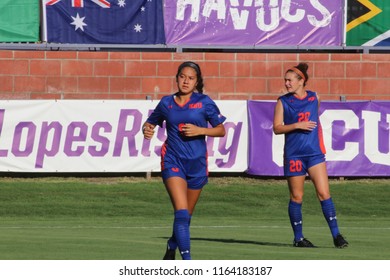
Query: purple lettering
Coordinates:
[104,141]
[72,137]
[29,145]
[42,147]
[123,133]
[3,153]
[232,150]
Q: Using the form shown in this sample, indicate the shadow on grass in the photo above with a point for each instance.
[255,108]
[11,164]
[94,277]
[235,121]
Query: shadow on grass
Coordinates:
[238,241]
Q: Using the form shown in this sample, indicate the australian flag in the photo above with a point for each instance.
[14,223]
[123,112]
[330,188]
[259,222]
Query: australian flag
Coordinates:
[104,21]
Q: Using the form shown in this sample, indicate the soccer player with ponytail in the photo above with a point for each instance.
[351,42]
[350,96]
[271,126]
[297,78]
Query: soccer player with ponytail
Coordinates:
[187,115]
[296,116]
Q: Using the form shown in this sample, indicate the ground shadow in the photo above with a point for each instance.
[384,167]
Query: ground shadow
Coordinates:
[238,241]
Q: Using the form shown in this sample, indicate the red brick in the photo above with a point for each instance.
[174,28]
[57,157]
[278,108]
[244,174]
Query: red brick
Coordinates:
[360,70]
[14,67]
[267,69]
[195,57]
[349,57]
[252,57]
[45,67]
[329,70]
[49,96]
[61,84]
[60,55]
[234,69]
[230,96]
[167,68]
[29,54]
[125,56]
[383,70]
[313,57]
[250,85]
[268,97]
[140,68]
[30,84]
[92,95]
[345,86]
[156,85]
[92,55]
[220,85]
[285,57]
[220,56]
[375,87]
[6,54]
[6,83]
[385,57]
[210,69]
[321,86]
[77,68]
[93,84]
[156,56]
[276,86]
[125,85]
[137,96]
[109,68]
[14,96]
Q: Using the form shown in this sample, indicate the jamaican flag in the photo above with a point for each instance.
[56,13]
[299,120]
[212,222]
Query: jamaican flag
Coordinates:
[368,23]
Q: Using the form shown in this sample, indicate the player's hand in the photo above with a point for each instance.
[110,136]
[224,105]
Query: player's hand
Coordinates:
[148,131]
[191,130]
[308,125]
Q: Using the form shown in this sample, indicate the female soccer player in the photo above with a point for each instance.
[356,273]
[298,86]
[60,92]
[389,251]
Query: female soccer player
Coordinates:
[296,116]
[184,153]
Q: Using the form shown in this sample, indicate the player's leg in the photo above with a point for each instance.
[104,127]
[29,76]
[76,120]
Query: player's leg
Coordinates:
[177,190]
[319,176]
[296,188]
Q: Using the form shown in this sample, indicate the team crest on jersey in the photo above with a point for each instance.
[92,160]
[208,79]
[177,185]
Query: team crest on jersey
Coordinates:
[311,98]
[196,105]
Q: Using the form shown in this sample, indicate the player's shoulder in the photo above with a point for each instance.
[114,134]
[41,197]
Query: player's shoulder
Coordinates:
[286,96]
[202,97]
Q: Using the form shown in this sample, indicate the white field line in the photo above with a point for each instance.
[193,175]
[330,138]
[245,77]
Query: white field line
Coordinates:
[164,227]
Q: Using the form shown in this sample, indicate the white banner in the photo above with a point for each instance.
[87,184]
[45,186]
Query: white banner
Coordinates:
[103,136]
[196,269]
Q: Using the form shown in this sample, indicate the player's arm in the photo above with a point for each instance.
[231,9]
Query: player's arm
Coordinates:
[148,130]
[280,128]
[191,130]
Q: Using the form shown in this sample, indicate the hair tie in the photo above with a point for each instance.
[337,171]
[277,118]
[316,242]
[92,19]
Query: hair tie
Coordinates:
[298,72]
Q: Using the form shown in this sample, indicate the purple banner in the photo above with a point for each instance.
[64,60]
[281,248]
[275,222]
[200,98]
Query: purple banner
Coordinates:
[251,22]
[356,137]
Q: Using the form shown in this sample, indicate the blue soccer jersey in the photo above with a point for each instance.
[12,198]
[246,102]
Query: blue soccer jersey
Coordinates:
[299,143]
[200,110]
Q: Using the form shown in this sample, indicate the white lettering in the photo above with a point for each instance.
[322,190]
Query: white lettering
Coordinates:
[181,8]
[268,17]
[286,9]
[371,137]
[218,6]
[351,150]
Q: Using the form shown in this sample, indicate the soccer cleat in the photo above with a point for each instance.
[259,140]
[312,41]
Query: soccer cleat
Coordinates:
[169,254]
[303,243]
[340,242]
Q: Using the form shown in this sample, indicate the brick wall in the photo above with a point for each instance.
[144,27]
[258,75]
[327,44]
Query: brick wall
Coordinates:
[134,75]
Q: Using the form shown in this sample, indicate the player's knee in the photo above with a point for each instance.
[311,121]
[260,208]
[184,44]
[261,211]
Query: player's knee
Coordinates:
[182,215]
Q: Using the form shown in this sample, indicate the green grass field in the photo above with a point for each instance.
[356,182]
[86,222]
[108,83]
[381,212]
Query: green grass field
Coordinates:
[130,218]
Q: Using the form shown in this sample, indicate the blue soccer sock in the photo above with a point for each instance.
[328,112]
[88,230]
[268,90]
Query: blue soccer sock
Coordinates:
[182,232]
[295,214]
[329,212]
[172,242]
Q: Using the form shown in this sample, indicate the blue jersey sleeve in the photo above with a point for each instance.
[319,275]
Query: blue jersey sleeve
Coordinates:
[157,117]
[214,116]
